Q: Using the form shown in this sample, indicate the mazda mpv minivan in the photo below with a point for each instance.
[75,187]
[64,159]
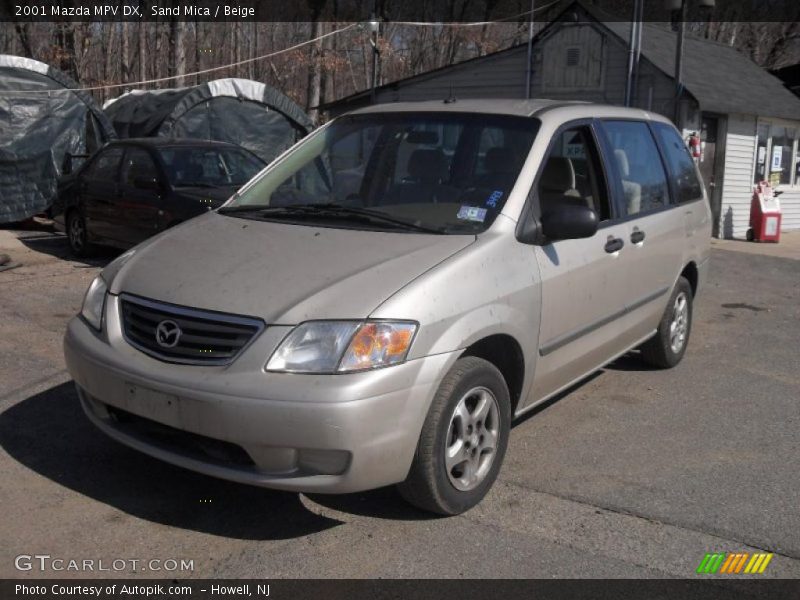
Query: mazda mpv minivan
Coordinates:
[378,304]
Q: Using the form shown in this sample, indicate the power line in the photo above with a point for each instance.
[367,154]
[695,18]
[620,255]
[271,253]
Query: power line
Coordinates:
[173,77]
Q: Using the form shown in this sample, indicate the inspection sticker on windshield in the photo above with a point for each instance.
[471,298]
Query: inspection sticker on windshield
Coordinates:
[472,213]
[494,198]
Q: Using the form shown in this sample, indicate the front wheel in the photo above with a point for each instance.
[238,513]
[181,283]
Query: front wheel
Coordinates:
[667,347]
[463,440]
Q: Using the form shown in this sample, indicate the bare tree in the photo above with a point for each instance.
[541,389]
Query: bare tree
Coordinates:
[177,51]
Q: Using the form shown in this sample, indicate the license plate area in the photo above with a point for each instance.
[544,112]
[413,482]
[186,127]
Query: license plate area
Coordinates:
[152,404]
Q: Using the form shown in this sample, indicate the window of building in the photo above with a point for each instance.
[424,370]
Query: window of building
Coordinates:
[573,57]
[776,157]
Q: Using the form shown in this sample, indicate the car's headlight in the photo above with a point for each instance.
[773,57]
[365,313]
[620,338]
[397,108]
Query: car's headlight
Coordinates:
[343,346]
[94,302]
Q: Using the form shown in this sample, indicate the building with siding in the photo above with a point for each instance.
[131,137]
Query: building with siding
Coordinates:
[748,121]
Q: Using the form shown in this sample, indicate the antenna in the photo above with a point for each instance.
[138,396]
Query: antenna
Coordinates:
[451,99]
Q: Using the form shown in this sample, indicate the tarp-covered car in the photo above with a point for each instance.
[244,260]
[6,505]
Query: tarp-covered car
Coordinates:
[44,119]
[249,113]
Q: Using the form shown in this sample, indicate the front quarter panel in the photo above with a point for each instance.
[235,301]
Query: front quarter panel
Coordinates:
[492,287]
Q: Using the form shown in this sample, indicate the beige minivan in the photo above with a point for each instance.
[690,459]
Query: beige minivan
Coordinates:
[378,304]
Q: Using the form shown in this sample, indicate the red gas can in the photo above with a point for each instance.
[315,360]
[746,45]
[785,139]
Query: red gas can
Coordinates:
[765,215]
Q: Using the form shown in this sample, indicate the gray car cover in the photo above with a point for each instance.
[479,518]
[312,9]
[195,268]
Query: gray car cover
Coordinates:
[41,122]
[245,112]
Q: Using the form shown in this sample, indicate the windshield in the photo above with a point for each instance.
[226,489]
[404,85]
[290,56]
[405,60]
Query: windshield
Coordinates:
[447,172]
[188,166]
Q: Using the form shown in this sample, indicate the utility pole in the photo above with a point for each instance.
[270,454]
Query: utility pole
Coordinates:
[679,63]
[374,27]
[634,52]
[679,12]
[529,74]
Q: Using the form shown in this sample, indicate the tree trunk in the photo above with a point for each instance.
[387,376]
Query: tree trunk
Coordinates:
[22,34]
[125,54]
[177,52]
[142,51]
[314,72]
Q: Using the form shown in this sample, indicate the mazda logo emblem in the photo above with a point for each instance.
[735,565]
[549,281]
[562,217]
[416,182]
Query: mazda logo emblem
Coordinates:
[168,333]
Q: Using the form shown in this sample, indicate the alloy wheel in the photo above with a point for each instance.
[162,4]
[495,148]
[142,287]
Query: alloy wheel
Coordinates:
[472,437]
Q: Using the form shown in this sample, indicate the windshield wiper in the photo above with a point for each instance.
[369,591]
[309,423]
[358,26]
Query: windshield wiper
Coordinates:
[327,211]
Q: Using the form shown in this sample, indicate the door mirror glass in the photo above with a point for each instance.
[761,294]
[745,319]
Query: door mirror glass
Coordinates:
[568,222]
[147,183]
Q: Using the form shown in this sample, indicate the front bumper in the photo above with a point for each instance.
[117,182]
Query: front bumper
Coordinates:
[307,433]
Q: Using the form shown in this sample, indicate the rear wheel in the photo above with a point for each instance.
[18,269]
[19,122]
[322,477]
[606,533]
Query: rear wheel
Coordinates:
[78,235]
[667,347]
[463,441]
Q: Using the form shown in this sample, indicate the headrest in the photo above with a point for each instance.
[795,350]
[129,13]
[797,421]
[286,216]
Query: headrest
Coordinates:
[427,165]
[558,175]
[622,162]
[499,160]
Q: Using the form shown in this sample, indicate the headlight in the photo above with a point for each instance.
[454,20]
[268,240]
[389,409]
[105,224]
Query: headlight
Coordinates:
[342,346]
[94,302]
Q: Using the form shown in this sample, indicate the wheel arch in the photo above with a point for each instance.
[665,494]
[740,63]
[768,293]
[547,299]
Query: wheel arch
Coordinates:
[505,353]
[692,276]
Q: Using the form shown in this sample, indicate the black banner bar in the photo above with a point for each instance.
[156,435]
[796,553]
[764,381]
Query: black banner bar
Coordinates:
[469,589]
[429,11]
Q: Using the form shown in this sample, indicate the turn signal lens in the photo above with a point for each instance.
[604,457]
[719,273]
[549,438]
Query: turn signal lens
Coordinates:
[378,344]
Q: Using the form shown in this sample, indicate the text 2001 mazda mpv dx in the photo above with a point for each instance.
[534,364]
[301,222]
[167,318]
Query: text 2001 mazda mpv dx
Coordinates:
[376,305]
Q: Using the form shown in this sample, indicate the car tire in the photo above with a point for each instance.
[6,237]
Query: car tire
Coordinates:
[667,347]
[78,235]
[463,440]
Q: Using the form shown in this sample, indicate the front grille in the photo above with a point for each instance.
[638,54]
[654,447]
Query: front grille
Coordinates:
[177,441]
[204,338]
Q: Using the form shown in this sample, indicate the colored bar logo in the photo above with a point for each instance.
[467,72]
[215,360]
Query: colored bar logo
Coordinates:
[734,563]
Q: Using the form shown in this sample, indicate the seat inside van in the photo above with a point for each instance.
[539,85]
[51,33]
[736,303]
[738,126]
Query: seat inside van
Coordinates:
[632,190]
[424,183]
[557,184]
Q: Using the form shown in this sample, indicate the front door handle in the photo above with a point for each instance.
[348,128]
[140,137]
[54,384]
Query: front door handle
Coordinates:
[637,236]
[614,244]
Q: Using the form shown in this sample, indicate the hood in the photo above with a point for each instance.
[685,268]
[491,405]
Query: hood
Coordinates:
[280,272]
[217,195]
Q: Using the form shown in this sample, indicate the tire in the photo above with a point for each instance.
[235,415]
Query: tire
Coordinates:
[78,235]
[667,347]
[749,236]
[430,485]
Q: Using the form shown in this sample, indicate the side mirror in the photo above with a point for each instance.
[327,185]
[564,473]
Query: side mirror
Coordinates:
[569,222]
[147,183]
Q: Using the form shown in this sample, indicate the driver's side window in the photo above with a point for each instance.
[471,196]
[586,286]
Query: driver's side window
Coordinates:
[571,174]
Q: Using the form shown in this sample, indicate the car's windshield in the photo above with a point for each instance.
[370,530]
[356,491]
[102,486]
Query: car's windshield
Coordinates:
[449,172]
[221,166]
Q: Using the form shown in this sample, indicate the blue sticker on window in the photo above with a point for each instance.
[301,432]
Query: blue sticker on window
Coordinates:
[472,213]
[494,198]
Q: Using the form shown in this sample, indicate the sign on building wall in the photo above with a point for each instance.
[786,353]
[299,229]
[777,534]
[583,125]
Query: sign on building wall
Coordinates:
[777,157]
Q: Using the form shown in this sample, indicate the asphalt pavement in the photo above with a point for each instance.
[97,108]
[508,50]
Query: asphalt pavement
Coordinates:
[632,473]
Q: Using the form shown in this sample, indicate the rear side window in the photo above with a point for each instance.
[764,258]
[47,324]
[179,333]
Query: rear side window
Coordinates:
[680,163]
[639,165]
[106,166]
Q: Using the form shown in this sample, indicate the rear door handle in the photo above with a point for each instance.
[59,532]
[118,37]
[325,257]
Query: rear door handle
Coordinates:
[614,244]
[637,236]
